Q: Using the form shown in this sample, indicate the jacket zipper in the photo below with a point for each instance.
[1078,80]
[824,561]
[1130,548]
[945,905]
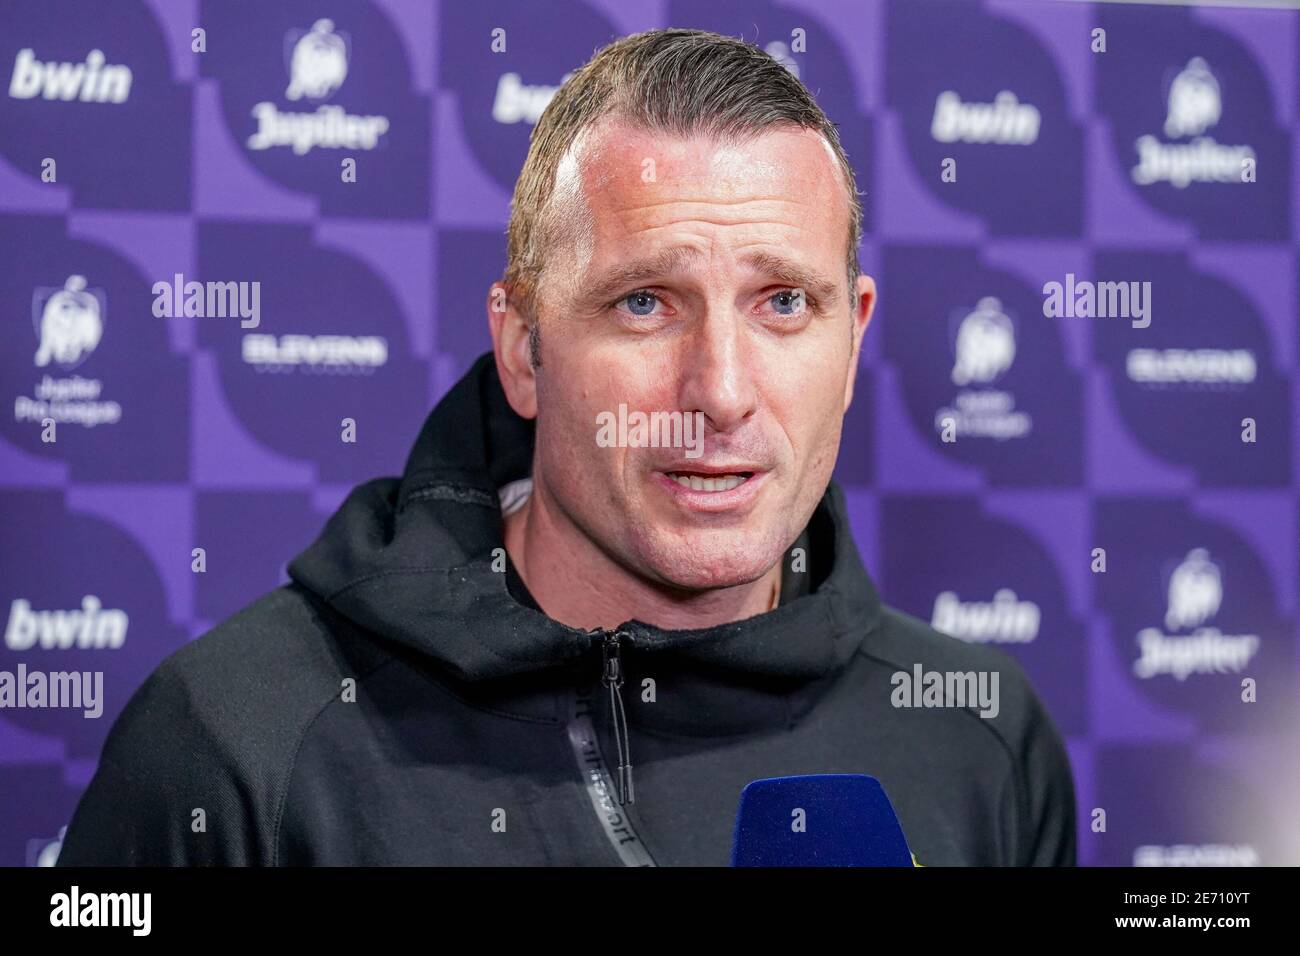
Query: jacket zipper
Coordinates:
[612,679]
[618,821]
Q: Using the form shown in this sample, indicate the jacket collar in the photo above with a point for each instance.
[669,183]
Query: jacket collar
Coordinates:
[412,561]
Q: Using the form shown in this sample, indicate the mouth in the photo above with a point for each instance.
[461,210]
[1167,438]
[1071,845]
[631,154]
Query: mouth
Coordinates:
[711,482]
[724,489]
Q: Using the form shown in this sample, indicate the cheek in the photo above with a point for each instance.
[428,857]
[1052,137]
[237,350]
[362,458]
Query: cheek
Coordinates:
[573,424]
[811,410]
[828,446]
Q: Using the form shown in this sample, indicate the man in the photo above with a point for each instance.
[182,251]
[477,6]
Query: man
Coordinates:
[559,641]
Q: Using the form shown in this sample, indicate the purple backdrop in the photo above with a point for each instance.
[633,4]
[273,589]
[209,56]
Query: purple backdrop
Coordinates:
[127,158]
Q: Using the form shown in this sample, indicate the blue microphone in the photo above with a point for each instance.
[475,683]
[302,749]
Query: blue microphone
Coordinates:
[825,819]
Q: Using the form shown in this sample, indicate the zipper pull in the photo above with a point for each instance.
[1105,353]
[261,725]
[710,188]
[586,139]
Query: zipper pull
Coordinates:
[612,678]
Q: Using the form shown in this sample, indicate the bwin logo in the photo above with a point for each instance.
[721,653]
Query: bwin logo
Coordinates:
[90,627]
[69,323]
[986,344]
[516,101]
[318,64]
[1194,102]
[95,81]
[1195,591]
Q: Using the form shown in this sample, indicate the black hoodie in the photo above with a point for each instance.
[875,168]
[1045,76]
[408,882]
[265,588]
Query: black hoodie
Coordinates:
[403,701]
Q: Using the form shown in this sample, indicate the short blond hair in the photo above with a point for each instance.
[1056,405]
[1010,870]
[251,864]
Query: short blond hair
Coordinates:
[680,82]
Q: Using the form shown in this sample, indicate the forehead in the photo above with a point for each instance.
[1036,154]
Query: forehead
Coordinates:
[634,181]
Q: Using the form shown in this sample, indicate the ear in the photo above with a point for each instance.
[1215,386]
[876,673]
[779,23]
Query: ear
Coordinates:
[510,345]
[864,304]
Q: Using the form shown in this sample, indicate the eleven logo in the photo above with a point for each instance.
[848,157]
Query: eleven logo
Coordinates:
[1194,596]
[983,350]
[1195,104]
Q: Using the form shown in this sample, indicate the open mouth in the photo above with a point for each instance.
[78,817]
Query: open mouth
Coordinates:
[710,482]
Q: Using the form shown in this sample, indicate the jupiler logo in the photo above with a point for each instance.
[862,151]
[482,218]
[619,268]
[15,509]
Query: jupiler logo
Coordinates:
[317,62]
[1195,105]
[1195,593]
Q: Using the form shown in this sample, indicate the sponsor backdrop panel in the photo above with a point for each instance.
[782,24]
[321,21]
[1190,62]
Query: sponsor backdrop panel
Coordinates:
[247,246]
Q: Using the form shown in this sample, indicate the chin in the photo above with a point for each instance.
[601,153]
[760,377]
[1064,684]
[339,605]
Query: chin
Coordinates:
[706,561]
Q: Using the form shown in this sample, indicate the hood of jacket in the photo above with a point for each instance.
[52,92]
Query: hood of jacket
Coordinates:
[411,560]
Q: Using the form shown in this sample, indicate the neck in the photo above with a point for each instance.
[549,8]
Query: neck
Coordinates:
[578,584]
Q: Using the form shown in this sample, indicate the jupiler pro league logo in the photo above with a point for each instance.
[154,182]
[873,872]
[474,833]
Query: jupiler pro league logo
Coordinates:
[984,348]
[986,344]
[1195,106]
[1189,643]
[69,323]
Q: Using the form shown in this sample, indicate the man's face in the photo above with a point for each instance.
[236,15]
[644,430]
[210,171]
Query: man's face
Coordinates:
[684,295]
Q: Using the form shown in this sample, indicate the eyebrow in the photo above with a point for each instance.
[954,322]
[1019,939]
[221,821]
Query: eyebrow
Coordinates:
[788,272]
[675,259]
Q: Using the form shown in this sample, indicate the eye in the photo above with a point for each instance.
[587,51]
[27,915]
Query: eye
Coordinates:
[789,302]
[640,302]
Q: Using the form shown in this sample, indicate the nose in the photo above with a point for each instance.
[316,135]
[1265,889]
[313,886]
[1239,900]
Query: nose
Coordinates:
[718,377]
